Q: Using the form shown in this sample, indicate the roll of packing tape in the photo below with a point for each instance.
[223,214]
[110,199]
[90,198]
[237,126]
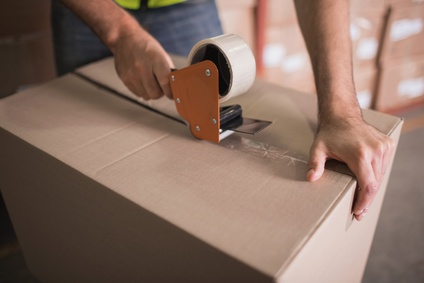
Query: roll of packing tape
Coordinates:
[234,60]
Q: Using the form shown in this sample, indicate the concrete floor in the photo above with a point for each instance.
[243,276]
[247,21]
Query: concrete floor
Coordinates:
[397,253]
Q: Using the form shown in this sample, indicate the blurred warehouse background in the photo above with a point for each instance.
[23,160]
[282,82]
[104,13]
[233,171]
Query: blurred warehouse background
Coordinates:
[388,58]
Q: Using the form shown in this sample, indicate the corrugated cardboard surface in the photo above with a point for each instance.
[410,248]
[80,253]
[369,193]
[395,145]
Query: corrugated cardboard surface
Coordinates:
[99,188]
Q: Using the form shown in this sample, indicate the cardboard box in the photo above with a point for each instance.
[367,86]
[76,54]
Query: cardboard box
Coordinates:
[404,33]
[25,60]
[401,84]
[100,189]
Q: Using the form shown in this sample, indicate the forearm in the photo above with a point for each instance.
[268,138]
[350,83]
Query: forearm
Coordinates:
[325,26]
[342,133]
[109,21]
[140,61]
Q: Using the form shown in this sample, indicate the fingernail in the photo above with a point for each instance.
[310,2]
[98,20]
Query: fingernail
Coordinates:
[310,173]
[360,216]
[359,212]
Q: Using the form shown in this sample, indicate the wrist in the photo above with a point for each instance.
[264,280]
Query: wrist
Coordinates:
[338,106]
[127,28]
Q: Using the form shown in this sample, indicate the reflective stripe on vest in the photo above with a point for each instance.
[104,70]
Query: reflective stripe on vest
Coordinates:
[135,4]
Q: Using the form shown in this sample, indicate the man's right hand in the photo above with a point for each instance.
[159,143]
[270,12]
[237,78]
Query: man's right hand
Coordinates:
[143,65]
[141,62]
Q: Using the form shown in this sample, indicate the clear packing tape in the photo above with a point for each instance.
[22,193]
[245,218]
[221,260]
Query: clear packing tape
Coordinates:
[219,68]
[234,60]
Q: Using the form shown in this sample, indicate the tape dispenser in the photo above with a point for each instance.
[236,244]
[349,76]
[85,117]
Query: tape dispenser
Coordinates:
[218,68]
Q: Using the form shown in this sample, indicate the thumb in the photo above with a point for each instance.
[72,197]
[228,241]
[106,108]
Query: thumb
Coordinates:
[316,164]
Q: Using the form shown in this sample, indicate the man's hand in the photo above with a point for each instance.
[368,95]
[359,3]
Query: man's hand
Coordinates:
[342,133]
[141,62]
[143,65]
[364,149]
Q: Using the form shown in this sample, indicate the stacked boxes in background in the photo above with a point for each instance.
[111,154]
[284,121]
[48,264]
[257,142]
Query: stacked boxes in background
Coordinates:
[401,62]
[366,26]
[285,57]
[286,60]
[391,29]
[26,50]
[387,48]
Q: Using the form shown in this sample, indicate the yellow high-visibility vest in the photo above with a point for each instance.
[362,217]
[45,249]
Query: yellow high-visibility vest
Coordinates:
[135,4]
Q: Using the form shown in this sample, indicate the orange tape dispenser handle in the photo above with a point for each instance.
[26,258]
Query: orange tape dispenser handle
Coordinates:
[196,94]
